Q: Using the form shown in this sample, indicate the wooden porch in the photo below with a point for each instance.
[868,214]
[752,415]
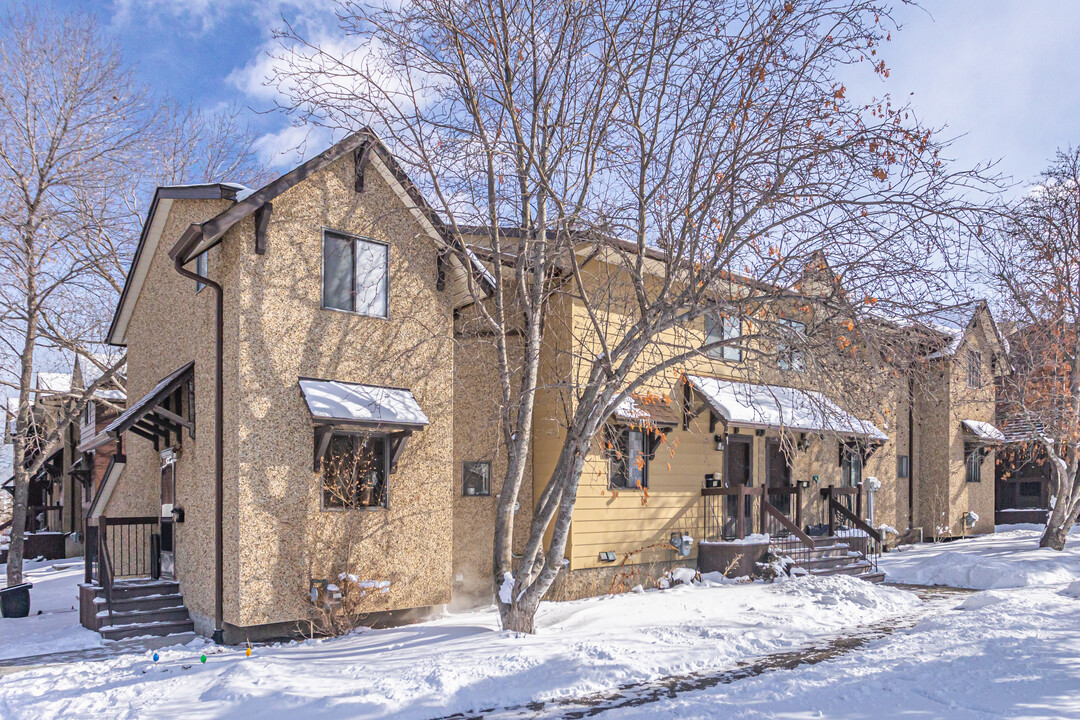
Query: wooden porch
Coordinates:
[737,516]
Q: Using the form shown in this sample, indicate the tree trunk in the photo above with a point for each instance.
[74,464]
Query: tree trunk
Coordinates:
[18,528]
[518,619]
[1054,536]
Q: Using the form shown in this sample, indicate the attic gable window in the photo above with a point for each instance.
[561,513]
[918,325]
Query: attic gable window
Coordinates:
[788,355]
[974,369]
[355,275]
[722,326]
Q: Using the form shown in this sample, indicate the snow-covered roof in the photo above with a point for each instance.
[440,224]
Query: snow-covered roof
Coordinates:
[54,382]
[367,404]
[647,410]
[983,430]
[782,407]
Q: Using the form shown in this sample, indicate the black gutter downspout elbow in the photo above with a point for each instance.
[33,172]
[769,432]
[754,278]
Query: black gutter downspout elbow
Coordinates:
[219,442]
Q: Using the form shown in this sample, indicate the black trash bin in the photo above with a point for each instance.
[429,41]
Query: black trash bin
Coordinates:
[15,601]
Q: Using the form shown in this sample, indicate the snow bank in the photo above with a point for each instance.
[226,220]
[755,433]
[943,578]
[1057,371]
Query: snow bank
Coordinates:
[1008,559]
[462,663]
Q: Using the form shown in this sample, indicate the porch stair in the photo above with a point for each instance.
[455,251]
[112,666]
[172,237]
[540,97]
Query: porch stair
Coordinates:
[831,556]
[139,608]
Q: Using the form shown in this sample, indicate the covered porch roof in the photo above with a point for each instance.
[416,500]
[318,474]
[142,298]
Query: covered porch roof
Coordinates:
[775,406]
[983,431]
[149,418]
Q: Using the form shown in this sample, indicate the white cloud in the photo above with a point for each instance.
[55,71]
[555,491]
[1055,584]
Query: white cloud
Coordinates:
[292,145]
[203,15]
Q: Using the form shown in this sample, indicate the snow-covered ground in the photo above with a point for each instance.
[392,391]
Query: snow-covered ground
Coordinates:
[56,597]
[1009,558]
[461,662]
[1009,652]
[1006,652]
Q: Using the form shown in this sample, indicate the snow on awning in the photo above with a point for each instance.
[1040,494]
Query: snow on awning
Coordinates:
[333,401]
[774,406]
[647,410]
[983,430]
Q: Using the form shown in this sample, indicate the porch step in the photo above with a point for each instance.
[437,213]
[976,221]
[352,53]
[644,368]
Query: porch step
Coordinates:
[139,608]
[859,567]
[873,577]
[122,632]
[834,558]
[173,613]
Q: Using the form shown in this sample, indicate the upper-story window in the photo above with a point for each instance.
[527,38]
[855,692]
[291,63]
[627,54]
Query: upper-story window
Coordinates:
[722,326]
[356,275]
[789,355]
[200,269]
[628,458]
[974,369]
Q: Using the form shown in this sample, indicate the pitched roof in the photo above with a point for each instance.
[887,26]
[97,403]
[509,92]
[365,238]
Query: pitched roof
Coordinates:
[771,406]
[148,240]
[200,237]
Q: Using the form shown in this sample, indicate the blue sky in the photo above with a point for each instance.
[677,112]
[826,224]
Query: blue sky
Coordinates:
[1003,74]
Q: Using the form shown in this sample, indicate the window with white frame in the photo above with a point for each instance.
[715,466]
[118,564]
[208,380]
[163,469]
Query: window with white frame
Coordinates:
[476,478]
[789,354]
[719,326]
[356,275]
[628,458]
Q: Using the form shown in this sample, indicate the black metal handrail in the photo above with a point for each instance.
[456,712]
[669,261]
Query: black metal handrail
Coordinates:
[842,518]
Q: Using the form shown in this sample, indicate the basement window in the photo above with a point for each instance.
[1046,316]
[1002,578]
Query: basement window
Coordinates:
[354,471]
[355,275]
[476,478]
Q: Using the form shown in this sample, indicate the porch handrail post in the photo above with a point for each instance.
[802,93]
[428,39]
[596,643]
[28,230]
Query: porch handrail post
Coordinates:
[858,500]
[798,507]
[761,510]
[832,513]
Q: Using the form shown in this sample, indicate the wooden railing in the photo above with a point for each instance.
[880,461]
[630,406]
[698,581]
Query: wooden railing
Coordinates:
[51,520]
[125,549]
[729,511]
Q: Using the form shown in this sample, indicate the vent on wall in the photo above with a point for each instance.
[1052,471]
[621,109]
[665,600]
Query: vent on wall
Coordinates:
[607,556]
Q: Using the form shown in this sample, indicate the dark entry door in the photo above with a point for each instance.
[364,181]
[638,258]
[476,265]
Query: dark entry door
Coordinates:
[738,470]
[167,519]
[778,475]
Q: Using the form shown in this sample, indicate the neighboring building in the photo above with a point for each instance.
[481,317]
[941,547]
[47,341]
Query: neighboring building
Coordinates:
[358,432]
[59,492]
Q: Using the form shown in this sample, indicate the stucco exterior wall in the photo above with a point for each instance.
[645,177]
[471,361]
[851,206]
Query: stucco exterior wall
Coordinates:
[286,537]
[171,325]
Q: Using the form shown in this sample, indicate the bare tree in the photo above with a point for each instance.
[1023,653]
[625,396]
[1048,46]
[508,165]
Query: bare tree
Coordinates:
[1034,259]
[645,160]
[77,141]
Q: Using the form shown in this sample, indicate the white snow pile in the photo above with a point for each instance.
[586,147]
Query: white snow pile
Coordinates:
[1073,590]
[1008,559]
[848,594]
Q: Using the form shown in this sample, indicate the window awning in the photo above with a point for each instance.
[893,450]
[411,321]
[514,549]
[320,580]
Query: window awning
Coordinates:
[647,411]
[335,402]
[148,418]
[774,406]
[984,431]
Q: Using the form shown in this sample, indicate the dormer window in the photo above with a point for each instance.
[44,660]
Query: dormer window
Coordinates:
[355,275]
[720,326]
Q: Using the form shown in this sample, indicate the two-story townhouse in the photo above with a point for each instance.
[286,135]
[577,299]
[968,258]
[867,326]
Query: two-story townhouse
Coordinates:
[304,404]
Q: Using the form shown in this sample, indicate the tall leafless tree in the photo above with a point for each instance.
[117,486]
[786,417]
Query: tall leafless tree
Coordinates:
[78,140]
[685,144]
[1034,260]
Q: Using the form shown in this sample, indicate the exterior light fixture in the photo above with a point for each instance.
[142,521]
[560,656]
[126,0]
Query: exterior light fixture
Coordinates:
[719,440]
[803,484]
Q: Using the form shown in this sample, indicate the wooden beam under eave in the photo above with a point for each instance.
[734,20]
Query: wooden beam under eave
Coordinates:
[397,447]
[172,417]
[361,158]
[262,222]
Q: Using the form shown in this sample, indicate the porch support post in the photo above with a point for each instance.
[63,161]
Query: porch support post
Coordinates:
[858,501]
[829,509]
[740,512]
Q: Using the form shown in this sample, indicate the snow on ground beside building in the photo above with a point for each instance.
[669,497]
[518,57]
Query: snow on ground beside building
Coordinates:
[462,662]
[56,596]
[1009,558]
[1002,653]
